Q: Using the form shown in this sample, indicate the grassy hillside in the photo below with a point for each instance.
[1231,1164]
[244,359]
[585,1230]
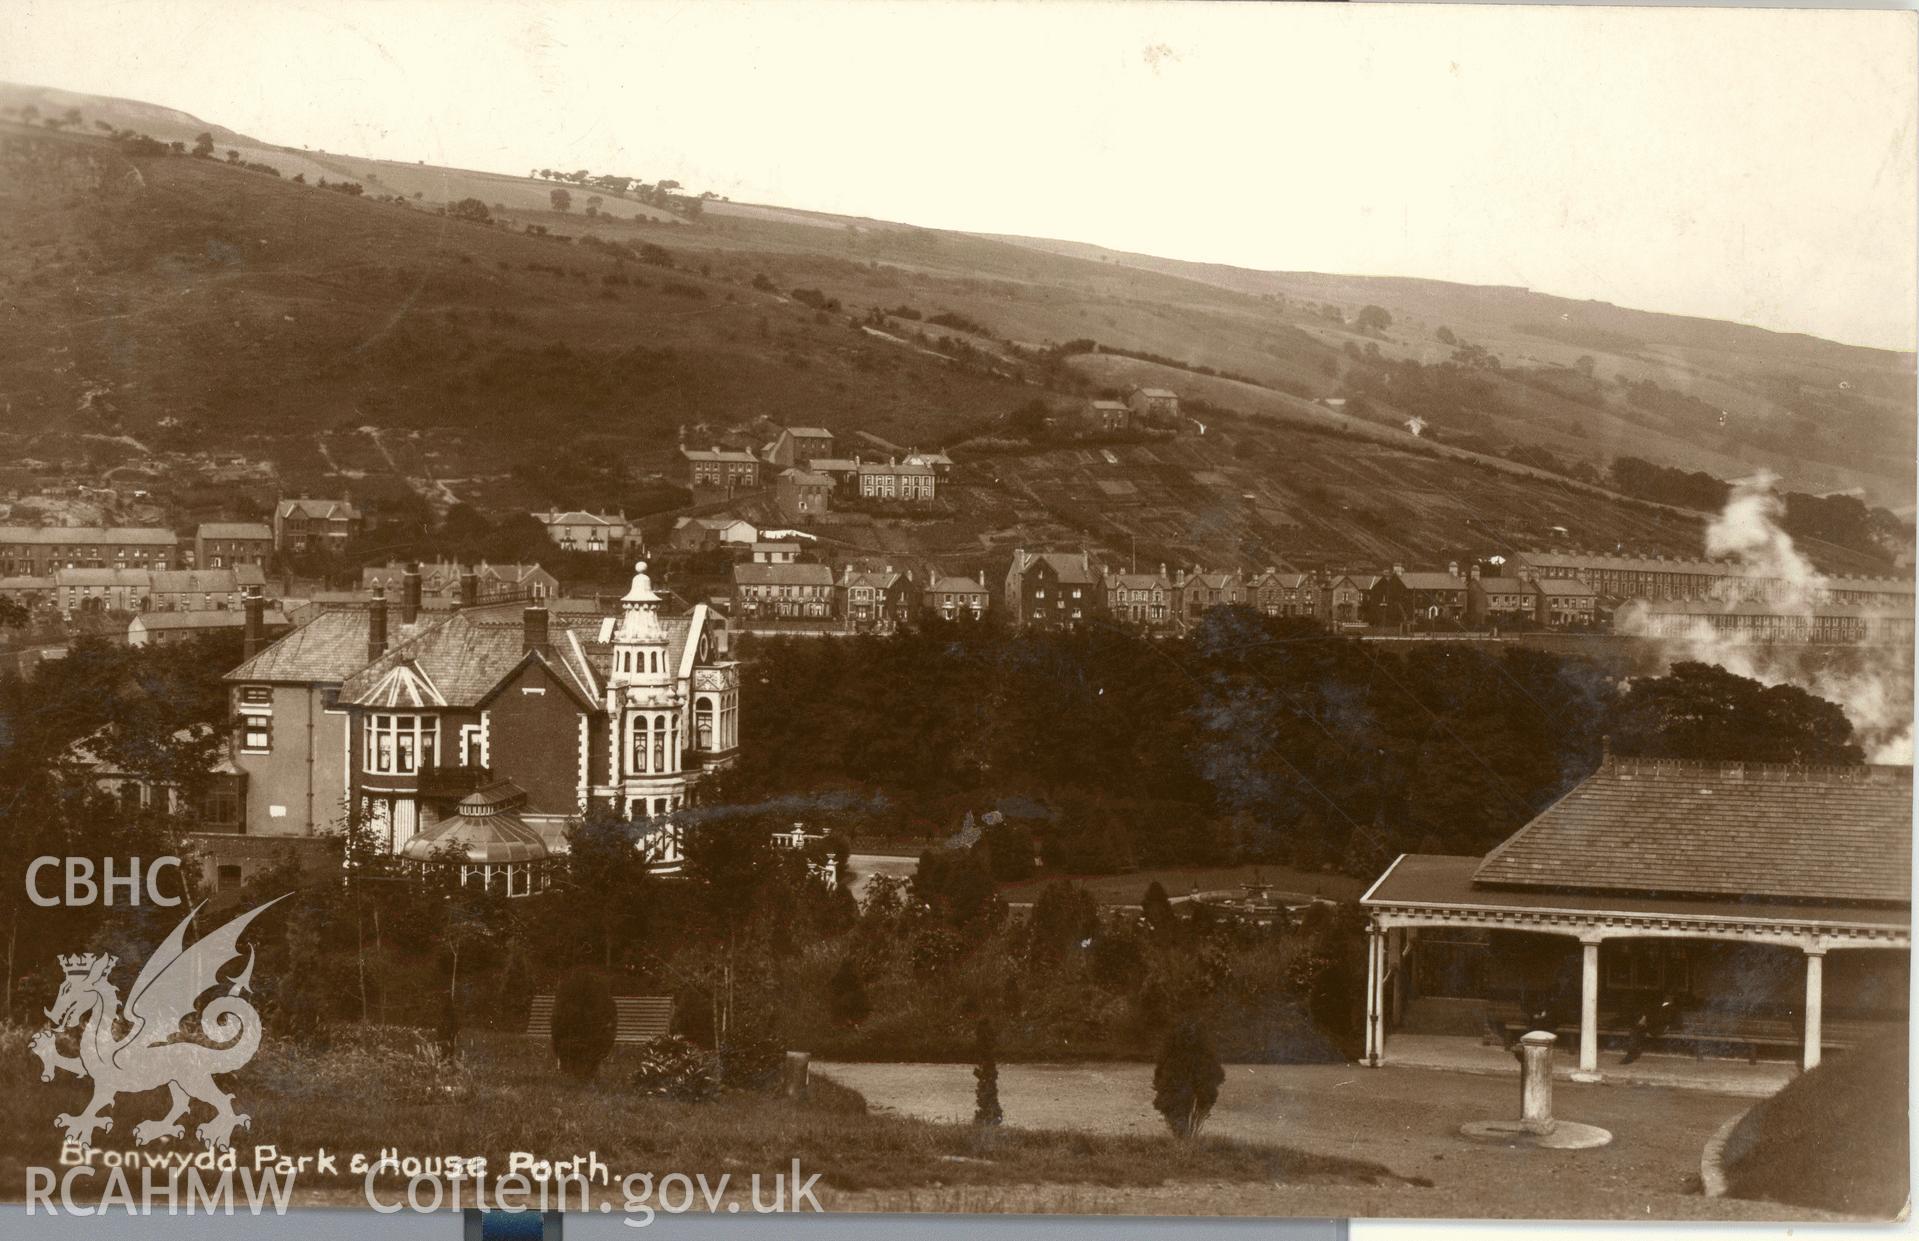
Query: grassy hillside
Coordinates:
[167,304]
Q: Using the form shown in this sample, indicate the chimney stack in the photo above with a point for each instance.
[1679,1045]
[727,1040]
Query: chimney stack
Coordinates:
[469,587]
[534,626]
[255,634]
[410,593]
[376,625]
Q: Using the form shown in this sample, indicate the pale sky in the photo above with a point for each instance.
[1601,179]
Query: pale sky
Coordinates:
[1753,165]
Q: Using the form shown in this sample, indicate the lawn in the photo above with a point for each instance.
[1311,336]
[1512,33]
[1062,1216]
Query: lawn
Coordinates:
[375,1090]
[1835,1138]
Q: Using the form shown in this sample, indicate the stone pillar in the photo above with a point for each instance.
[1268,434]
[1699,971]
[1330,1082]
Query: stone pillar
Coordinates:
[794,1072]
[1588,1012]
[1815,1004]
[1536,1080]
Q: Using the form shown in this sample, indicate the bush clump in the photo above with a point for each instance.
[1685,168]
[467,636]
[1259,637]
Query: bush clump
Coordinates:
[584,1023]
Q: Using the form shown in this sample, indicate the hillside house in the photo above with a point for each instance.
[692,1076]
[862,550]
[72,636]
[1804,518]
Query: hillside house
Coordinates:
[36,551]
[229,544]
[877,600]
[1108,416]
[795,446]
[938,462]
[1202,590]
[202,590]
[773,552]
[1153,407]
[951,597]
[695,534]
[1149,600]
[1051,590]
[450,584]
[1273,593]
[304,525]
[102,590]
[896,481]
[577,531]
[1493,601]
[724,470]
[1343,597]
[782,592]
[802,493]
[1406,597]
[1563,602]
[1771,903]
[158,628]
[844,471]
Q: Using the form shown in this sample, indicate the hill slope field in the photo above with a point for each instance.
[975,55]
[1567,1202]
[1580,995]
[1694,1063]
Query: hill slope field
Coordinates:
[162,304]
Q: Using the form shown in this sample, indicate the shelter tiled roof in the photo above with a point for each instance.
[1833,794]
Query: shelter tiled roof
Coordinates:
[1433,879]
[1757,831]
[1431,581]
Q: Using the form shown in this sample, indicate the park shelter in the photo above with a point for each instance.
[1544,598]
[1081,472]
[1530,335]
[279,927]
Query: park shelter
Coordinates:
[1726,885]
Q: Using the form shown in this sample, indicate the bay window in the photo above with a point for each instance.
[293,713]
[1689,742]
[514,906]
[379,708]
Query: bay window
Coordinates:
[400,745]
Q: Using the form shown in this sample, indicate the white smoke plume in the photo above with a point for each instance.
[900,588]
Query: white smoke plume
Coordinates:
[1874,689]
[1416,425]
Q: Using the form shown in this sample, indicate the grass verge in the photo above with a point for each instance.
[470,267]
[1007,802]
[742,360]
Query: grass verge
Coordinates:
[376,1090]
[1835,1138]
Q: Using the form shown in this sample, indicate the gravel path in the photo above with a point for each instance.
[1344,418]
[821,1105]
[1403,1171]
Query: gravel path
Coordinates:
[1407,1119]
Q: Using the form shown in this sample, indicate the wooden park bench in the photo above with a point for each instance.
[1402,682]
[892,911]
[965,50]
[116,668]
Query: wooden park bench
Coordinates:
[638,1018]
[1700,1031]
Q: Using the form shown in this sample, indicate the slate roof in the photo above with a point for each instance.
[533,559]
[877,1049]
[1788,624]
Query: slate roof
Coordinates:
[152,536]
[806,478]
[325,510]
[206,581]
[782,575]
[329,648]
[1725,830]
[151,621]
[1571,586]
[102,577]
[956,584]
[818,433]
[1505,586]
[1431,581]
[718,454]
[578,517]
[1069,567]
[235,530]
[832,465]
[463,656]
[1431,879]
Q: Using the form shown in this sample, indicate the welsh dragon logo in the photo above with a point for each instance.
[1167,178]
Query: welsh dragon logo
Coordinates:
[143,1046]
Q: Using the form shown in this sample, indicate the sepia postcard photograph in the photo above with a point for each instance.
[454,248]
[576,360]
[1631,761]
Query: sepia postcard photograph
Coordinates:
[616,611]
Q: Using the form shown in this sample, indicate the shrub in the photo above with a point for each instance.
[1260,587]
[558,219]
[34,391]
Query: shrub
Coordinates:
[986,1109]
[751,1061]
[1187,1078]
[672,1068]
[846,995]
[1156,906]
[583,1024]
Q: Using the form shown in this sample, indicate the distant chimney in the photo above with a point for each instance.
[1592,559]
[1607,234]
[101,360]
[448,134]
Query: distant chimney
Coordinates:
[1452,568]
[534,627]
[255,634]
[982,577]
[376,625]
[469,588]
[410,593]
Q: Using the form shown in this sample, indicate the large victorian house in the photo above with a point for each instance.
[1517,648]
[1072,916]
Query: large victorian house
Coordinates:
[488,727]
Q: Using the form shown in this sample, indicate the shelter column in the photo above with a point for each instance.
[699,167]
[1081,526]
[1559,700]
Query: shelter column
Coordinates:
[1372,994]
[1588,1070]
[1815,1003]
